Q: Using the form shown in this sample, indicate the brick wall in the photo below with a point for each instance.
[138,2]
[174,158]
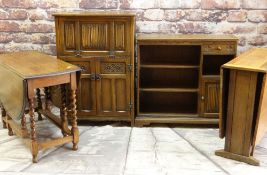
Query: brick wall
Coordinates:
[28,24]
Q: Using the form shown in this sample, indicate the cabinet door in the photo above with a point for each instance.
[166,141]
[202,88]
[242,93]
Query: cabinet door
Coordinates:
[86,94]
[122,37]
[95,36]
[113,88]
[67,37]
[210,97]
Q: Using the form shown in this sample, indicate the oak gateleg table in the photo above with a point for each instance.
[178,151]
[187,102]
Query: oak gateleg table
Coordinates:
[23,75]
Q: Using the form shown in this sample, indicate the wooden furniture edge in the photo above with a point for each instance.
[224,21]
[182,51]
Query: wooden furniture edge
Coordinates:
[141,121]
[95,13]
[250,160]
[185,37]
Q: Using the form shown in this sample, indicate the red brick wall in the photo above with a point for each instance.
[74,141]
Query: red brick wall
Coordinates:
[28,24]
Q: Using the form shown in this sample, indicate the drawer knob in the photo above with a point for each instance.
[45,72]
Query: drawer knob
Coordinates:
[219,48]
[202,97]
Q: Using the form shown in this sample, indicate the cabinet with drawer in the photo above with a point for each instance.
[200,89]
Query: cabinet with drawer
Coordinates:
[219,48]
[178,77]
[102,44]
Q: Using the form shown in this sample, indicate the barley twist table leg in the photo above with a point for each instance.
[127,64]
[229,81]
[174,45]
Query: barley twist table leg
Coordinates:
[47,98]
[33,131]
[74,129]
[3,113]
[63,110]
[23,122]
[39,103]
[10,131]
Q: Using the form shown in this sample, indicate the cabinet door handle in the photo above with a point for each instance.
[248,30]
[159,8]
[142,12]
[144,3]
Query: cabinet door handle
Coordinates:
[93,77]
[83,68]
[78,53]
[202,97]
[111,54]
[98,77]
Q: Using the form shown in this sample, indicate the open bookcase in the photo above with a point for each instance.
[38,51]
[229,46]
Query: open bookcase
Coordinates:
[176,74]
[169,78]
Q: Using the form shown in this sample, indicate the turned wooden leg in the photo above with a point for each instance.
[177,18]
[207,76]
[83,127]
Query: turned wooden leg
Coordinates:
[23,126]
[63,110]
[3,113]
[23,122]
[39,103]
[74,129]
[34,147]
[10,131]
[47,98]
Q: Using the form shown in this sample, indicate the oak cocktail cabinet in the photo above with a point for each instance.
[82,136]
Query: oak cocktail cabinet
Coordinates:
[179,77]
[102,44]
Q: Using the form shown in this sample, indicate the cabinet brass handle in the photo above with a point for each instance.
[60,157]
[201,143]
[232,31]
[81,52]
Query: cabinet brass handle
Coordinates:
[111,54]
[202,97]
[98,77]
[219,48]
[83,68]
[78,54]
[93,77]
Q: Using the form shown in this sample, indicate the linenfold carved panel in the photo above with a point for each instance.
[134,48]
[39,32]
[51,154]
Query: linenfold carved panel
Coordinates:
[94,36]
[119,36]
[113,68]
[69,31]
[212,101]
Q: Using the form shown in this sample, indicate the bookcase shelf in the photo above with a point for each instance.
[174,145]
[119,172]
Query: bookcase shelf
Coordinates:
[169,77]
[169,66]
[170,54]
[168,102]
[168,90]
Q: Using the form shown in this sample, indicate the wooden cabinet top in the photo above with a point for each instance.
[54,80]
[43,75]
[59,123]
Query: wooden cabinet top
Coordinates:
[185,37]
[252,60]
[32,64]
[95,13]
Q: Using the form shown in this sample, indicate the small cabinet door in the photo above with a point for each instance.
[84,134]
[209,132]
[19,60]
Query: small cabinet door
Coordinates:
[122,39]
[67,37]
[86,94]
[95,37]
[113,88]
[210,97]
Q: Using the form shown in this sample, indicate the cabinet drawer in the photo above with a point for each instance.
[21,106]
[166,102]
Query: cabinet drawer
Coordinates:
[219,49]
[85,66]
